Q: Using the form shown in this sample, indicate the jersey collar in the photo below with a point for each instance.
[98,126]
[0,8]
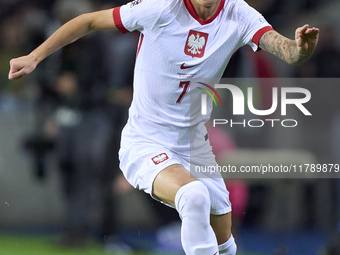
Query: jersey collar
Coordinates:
[193,13]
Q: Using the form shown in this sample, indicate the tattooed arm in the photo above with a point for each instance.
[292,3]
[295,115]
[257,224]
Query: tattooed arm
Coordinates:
[294,52]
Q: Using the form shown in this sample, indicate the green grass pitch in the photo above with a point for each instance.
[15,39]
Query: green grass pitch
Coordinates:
[43,245]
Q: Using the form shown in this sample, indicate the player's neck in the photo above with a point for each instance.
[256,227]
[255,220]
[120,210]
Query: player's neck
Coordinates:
[205,9]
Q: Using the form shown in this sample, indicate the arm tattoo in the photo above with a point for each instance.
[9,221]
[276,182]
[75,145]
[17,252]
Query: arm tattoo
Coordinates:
[283,48]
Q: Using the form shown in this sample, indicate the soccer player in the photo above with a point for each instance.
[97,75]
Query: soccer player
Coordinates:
[165,135]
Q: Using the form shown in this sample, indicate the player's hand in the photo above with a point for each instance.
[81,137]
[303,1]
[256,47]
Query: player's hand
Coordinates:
[21,66]
[306,39]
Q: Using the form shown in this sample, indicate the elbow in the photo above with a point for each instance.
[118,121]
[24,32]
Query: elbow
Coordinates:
[87,20]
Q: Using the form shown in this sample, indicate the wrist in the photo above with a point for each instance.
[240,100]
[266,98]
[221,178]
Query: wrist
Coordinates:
[35,57]
[304,53]
[298,55]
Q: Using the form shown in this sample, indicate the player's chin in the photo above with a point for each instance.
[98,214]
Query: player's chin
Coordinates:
[207,3]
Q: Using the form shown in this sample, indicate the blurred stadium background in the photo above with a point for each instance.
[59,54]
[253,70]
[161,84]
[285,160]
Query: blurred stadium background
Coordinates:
[61,191]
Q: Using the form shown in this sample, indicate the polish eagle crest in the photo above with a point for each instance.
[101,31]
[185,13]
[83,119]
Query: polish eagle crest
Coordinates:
[196,43]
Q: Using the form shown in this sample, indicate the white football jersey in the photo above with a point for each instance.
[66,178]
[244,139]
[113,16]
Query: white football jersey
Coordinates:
[175,47]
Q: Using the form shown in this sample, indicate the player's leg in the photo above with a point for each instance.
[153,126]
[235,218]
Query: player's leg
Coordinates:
[220,218]
[169,181]
[176,187]
[221,225]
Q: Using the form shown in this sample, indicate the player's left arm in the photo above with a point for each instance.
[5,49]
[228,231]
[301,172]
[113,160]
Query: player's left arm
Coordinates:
[294,52]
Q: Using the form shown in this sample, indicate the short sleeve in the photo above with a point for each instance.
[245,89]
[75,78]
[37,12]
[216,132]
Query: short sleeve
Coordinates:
[137,15]
[252,25]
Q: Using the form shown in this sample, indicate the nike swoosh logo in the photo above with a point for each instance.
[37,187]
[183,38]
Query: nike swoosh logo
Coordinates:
[183,67]
[215,253]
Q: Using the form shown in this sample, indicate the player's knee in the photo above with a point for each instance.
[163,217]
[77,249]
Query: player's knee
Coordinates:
[199,198]
[193,197]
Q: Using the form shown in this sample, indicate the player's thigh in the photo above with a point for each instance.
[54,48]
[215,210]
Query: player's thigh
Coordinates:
[221,225]
[169,181]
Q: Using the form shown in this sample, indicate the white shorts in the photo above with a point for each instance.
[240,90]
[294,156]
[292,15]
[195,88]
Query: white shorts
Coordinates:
[141,160]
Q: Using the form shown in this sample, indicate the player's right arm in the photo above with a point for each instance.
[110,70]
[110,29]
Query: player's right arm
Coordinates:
[68,33]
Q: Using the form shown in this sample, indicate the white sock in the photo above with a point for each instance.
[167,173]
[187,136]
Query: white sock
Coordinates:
[193,204]
[228,248]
